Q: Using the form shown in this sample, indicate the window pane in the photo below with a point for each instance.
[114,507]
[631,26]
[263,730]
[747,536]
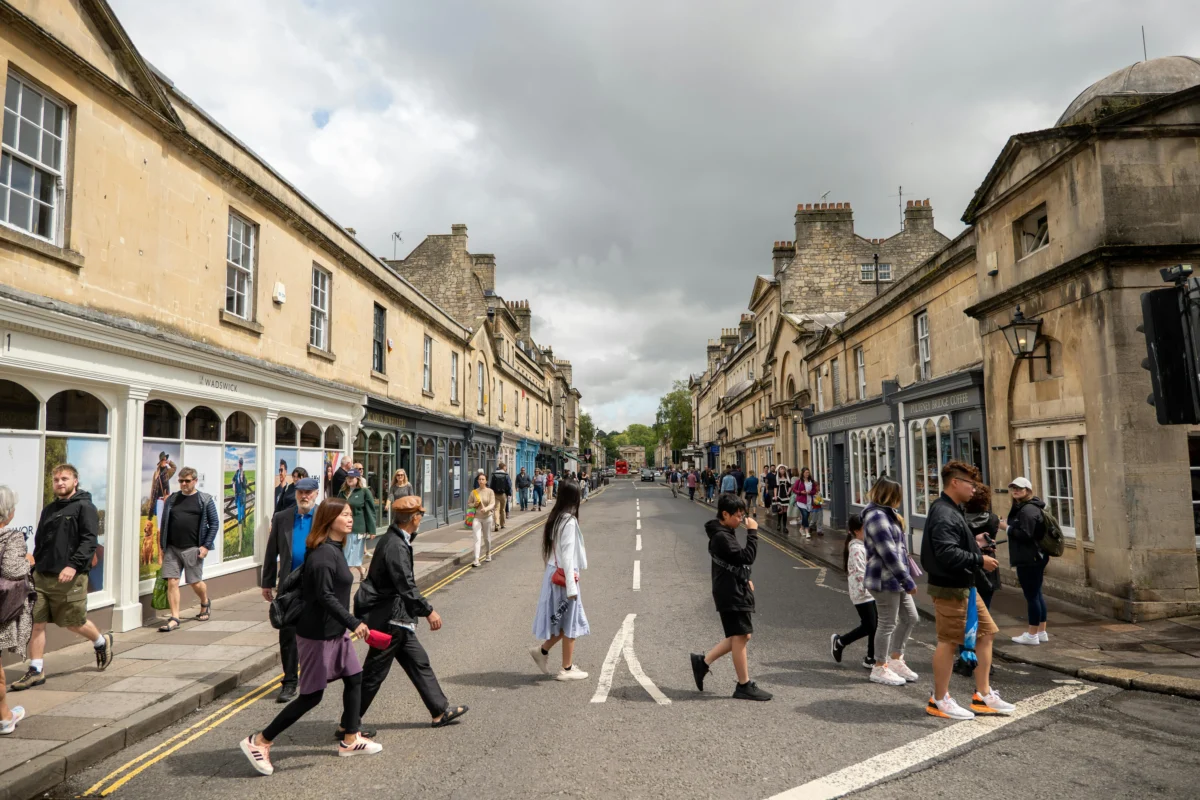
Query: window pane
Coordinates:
[43,186]
[28,141]
[19,207]
[22,177]
[285,432]
[203,424]
[31,104]
[932,479]
[10,128]
[74,411]
[12,93]
[160,420]
[310,435]
[43,220]
[239,428]
[18,407]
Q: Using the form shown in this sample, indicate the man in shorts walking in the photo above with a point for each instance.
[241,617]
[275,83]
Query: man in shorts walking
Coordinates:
[65,542]
[733,592]
[951,558]
[189,531]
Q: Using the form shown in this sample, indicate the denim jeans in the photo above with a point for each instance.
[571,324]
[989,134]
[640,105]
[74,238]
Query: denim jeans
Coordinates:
[524,495]
[1030,578]
[539,493]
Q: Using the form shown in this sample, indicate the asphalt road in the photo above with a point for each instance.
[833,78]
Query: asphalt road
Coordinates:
[529,736]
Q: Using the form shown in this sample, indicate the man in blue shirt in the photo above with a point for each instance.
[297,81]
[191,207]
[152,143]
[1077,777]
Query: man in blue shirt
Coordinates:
[286,545]
[728,482]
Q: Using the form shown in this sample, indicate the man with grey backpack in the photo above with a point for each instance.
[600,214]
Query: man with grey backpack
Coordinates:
[1034,536]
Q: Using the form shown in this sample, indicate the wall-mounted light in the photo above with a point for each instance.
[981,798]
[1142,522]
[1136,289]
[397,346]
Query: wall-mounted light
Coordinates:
[1022,336]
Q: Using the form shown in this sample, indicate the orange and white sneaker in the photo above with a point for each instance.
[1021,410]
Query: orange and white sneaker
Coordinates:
[946,708]
[991,705]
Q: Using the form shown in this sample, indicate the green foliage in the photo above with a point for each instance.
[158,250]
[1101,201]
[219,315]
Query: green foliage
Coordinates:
[587,430]
[674,417]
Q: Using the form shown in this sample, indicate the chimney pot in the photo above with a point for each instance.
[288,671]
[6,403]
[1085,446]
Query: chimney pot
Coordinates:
[351,231]
[927,202]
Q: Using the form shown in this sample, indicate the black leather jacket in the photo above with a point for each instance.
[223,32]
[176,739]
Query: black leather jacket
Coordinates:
[389,595]
[949,554]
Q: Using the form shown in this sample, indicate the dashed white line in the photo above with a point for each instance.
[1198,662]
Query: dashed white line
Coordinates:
[639,524]
[927,748]
[639,542]
[637,576]
[639,513]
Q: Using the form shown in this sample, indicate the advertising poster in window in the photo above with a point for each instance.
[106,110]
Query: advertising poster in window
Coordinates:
[160,462]
[90,458]
[313,462]
[208,460]
[457,470]
[18,457]
[285,462]
[241,469]
[332,457]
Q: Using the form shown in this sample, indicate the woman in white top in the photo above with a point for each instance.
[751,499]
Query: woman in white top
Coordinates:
[560,615]
[483,500]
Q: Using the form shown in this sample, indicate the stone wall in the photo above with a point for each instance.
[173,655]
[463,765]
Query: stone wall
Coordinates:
[442,269]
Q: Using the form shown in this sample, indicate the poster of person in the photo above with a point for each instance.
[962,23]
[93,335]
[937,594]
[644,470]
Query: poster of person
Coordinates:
[286,460]
[241,469]
[18,471]
[90,458]
[332,457]
[160,462]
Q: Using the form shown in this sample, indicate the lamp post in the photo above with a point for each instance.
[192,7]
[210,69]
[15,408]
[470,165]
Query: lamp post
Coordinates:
[1022,336]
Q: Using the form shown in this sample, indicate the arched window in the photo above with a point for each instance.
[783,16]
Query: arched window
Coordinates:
[203,425]
[310,435]
[74,411]
[360,441]
[239,428]
[160,420]
[19,408]
[285,432]
[333,438]
[791,387]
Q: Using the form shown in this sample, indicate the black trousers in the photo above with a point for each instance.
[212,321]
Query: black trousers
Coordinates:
[407,651]
[293,711]
[868,620]
[290,656]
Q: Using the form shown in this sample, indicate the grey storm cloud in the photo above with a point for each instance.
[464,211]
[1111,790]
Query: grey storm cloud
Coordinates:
[630,163]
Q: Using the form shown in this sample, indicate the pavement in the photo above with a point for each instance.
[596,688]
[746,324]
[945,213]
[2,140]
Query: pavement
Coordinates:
[80,716]
[637,727]
[1160,656]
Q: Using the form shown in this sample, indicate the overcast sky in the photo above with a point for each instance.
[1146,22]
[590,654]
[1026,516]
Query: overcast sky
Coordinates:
[631,163]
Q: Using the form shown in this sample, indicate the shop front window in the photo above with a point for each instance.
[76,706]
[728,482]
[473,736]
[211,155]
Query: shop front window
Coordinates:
[203,424]
[1058,479]
[310,435]
[285,432]
[930,447]
[871,456]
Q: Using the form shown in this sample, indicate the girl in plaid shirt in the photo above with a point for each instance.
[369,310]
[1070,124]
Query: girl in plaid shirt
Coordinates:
[890,580]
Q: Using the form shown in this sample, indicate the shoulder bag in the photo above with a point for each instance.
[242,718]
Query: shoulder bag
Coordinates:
[14,592]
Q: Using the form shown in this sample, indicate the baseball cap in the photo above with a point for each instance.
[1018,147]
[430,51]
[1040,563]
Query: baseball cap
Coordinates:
[308,485]
[410,504]
[1021,483]
[354,473]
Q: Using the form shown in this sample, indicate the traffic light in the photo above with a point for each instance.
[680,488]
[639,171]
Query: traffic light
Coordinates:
[1171,321]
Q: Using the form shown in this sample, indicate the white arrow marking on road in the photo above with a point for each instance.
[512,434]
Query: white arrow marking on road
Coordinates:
[639,542]
[637,576]
[927,748]
[622,645]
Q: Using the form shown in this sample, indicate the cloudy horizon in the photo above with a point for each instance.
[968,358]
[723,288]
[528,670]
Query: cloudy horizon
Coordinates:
[630,164]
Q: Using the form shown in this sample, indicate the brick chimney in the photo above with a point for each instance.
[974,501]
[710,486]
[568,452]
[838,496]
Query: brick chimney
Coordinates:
[781,256]
[729,338]
[918,215]
[484,267]
[822,220]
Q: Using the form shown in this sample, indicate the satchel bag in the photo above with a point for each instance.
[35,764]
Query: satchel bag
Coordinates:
[159,601]
[289,602]
[14,594]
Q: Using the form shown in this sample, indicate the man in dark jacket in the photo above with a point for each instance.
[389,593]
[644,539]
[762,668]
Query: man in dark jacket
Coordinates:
[65,542]
[339,477]
[1026,524]
[189,531]
[501,484]
[285,552]
[951,558]
[733,593]
[390,601]
[739,478]
[523,484]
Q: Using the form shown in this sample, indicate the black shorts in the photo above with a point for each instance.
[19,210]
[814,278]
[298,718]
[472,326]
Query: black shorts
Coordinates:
[736,623]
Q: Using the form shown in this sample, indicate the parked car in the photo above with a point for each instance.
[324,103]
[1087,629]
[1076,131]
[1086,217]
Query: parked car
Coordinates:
[647,474]
[610,472]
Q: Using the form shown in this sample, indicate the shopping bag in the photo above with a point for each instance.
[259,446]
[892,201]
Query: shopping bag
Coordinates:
[159,601]
[469,519]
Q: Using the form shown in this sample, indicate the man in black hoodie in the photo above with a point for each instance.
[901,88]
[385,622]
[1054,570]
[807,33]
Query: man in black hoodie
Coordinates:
[733,592]
[1026,524]
[501,484]
[65,542]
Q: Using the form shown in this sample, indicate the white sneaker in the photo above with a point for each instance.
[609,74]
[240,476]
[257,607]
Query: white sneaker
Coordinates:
[881,674]
[572,674]
[258,756]
[1027,638]
[361,746]
[946,708]
[8,726]
[900,668]
[540,658]
[991,704]
[1043,637]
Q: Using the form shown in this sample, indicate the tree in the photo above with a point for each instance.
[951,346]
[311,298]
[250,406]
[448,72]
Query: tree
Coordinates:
[643,435]
[674,417]
[587,431]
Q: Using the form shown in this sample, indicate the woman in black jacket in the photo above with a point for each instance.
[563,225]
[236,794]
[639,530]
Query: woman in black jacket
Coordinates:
[1025,526]
[323,640]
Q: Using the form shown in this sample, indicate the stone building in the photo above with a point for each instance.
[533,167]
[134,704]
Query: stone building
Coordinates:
[634,455]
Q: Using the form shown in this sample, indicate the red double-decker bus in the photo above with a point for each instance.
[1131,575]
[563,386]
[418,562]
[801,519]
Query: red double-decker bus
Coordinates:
[622,466]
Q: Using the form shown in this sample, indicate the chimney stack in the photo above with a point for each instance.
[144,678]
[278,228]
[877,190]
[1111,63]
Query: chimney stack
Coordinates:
[484,267]
[918,215]
[520,310]
[822,219]
[781,256]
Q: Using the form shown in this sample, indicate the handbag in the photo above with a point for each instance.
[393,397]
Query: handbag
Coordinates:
[913,568]
[159,601]
[469,519]
[14,593]
[285,609]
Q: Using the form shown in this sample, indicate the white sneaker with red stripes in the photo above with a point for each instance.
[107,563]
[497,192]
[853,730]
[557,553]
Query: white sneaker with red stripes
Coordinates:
[361,746]
[258,756]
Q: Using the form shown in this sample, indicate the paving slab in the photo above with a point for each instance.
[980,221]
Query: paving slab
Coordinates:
[189,668]
[257,638]
[39,699]
[187,636]
[225,652]
[163,652]
[230,625]
[145,684]
[104,705]
[17,751]
[44,726]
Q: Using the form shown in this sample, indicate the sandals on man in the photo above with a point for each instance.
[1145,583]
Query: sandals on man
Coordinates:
[449,715]
[167,628]
[205,612]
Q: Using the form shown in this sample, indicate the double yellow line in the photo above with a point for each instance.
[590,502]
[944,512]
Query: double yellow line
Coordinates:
[768,538]
[131,769]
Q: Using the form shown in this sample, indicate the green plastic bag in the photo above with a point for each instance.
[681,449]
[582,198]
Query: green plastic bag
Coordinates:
[159,601]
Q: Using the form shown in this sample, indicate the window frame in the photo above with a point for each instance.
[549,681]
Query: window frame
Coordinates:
[835,378]
[820,392]
[427,365]
[322,312]
[1056,502]
[250,271]
[35,163]
[885,277]
[1026,243]
[866,273]
[379,339]
[480,377]
[924,349]
[454,377]
[860,367]
[919,502]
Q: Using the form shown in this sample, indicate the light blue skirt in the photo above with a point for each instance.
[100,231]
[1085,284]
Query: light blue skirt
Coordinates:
[573,623]
[356,545]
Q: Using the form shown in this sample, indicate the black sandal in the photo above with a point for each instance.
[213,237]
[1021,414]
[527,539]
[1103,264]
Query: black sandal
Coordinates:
[167,628]
[449,715]
[205,612]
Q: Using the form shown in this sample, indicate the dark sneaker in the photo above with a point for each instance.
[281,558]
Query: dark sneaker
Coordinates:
[835,648]
[699,670]
[750,691]
[868,662]
[104,655]
[287,693]
[32,678]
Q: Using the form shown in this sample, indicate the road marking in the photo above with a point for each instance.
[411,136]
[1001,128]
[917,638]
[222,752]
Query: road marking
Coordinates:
[637,576]
[622,645]
[639,542]
[639,524]
[639,513]
[789,553]
[927,748]
[821,582]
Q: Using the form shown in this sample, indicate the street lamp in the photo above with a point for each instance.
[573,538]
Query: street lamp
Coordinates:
[1022,336]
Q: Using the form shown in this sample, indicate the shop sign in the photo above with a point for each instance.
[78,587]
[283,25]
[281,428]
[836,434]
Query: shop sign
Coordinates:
[948,402]
[216,383]
[380,418]
[855,419]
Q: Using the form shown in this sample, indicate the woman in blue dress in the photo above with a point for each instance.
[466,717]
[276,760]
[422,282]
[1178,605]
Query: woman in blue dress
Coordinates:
[560,616]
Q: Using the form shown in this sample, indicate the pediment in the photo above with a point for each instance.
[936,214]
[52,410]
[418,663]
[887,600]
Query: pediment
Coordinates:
[762,286]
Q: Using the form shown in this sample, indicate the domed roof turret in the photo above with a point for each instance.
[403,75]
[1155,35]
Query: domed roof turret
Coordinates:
[1131,86]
